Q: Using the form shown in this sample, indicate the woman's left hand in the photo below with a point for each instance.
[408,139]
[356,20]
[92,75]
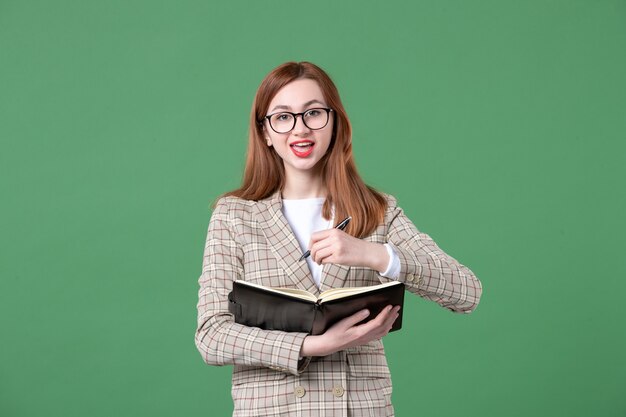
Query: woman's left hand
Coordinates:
[334,246]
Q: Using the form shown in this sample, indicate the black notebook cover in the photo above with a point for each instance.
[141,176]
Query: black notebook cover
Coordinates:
[269,310]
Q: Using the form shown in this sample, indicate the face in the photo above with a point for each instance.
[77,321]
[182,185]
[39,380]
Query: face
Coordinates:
[301,148]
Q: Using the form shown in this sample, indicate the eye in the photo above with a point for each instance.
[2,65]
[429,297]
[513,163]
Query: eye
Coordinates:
[313,113]
[283,116]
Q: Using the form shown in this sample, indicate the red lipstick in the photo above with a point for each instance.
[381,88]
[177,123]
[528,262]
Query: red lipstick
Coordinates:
[302,148]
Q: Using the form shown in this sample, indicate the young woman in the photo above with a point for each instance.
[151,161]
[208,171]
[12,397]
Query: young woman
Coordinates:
[299,181]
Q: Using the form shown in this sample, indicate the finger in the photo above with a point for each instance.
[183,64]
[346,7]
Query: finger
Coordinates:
[327,234]
[393,313]
[390,325]
[357,317]
[382,324]
[320,244]
[393,316]
[321,235]
[384,314]
[377,322]
[396,309]
[322,255]
[324,246]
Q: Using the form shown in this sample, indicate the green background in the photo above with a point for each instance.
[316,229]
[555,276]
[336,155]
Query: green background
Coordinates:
[499,125]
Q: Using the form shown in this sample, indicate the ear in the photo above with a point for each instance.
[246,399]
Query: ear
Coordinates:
[266,135]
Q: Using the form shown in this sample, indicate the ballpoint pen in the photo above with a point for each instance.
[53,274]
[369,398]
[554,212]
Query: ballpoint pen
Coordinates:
[340,226]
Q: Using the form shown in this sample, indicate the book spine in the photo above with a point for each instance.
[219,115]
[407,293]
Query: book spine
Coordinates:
[318,320]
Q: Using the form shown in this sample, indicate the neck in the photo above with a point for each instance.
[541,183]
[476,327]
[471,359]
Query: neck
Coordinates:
[301,185]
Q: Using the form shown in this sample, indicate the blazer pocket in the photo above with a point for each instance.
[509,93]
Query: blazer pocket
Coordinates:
[256,375]
[368,364]
[261,389]
[370,382]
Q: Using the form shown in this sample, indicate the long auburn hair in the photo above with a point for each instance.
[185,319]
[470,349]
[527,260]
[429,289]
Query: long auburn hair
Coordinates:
[264,173]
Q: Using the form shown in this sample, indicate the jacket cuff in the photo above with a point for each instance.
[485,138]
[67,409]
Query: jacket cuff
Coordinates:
[290,361]
[303,364]
[409,270]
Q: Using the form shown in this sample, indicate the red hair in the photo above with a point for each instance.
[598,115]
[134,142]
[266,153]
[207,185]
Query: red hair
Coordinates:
[264,173]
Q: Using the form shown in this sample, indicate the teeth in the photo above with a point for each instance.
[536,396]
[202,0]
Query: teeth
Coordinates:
[302,145]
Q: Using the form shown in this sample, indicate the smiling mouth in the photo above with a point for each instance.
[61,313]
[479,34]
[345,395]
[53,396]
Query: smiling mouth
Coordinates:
[302,149]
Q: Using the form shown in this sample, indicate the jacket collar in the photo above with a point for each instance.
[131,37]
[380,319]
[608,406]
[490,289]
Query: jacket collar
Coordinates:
[287,251]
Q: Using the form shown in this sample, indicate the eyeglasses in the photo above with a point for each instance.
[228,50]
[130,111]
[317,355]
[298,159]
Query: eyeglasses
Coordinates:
[285,121]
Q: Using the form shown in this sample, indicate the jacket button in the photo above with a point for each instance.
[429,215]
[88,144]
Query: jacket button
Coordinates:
[338,391]
[299,391]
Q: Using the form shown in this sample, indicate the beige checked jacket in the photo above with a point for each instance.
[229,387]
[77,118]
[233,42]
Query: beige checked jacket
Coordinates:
[252,240]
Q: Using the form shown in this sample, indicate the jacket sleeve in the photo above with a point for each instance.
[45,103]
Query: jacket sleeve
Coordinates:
[218,338]
[428,271]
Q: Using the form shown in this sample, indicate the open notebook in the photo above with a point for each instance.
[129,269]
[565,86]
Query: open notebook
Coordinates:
[296,310]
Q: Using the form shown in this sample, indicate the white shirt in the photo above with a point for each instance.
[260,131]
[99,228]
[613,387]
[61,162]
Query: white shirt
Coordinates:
[305,218]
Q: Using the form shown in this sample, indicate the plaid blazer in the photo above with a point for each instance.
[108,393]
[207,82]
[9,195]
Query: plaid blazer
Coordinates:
[252,240]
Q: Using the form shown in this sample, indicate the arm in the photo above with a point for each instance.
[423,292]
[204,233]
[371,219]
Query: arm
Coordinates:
[425,269]
[218,338]
[428,271]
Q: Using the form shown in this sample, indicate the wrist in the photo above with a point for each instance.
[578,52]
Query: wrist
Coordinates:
[318,345]
[311,346]
[378,257]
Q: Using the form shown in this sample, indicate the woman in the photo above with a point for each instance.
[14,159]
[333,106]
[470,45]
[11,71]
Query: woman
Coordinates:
[300,180]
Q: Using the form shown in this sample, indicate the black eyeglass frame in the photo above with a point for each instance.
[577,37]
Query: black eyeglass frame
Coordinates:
[328,110]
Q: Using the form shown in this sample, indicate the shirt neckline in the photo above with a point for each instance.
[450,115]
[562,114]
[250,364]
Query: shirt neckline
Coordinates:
[305,200]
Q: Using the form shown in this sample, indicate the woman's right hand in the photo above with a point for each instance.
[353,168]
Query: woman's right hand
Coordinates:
[346,333]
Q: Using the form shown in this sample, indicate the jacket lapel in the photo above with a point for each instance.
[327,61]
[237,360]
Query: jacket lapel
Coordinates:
[283,242]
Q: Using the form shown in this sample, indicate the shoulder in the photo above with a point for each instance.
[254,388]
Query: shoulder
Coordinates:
[393,210]
[392,202]
[230,207]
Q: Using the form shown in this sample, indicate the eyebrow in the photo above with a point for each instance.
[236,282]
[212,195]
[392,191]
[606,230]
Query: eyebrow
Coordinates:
[307,104]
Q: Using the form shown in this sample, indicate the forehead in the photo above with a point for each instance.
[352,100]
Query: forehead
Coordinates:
[297,93]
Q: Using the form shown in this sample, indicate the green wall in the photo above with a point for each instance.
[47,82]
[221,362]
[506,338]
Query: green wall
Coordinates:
[499,125]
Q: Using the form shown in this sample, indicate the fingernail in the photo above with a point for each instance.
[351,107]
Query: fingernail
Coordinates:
[365,313]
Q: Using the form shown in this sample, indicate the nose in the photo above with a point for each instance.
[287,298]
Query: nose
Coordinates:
[300,127]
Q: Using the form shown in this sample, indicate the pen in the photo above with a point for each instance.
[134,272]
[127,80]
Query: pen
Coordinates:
[340,226]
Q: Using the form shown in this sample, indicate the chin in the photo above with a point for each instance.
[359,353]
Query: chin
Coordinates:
[304,165]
